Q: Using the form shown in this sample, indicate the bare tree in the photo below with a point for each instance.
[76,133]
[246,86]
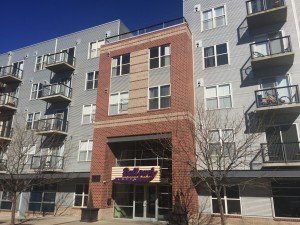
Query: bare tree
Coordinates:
[21,170]
[223,141]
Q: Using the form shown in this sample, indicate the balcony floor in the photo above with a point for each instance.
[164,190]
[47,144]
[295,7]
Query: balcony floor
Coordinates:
[10,79]
[51,132]
[56,98]
[7,108]
[271,61]
[267,17]
[59,67]
[281,164]
[288,108]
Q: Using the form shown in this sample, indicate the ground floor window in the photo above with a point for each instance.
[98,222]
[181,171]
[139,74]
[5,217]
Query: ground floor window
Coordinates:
[230,199]
[81,195]
[5,200]
[144,201]
[42,198]
[286,197]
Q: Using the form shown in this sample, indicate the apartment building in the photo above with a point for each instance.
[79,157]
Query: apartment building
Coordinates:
[50,89]
[246,60]
[145,91]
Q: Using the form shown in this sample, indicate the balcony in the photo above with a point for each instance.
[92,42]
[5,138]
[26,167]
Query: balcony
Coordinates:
[56,93]
[47,163]
[279,100]
[281,154]
[265,12]
[3,164]
[52,126]
[10,74]
[271,53]
[60,62]
[8,102]
[5,134]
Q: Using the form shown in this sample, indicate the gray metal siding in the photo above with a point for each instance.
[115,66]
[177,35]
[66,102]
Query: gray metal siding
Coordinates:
[159,76]
[238,72]
[80,40]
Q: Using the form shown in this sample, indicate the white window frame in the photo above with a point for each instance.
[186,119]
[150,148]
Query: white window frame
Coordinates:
[159,97]
[213,17]
[91,114]
[218,96]
[98,43]
[225,199]
[87,151]
[33,120]
[221,140]
[93,80]
[82,195]
[30,152]
[121,65]
[118,102]
[42,63]
[8,198]
[215,55]
[160,56]
[34,94]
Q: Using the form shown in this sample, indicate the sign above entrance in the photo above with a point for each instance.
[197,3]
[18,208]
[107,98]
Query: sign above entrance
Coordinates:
[141,174]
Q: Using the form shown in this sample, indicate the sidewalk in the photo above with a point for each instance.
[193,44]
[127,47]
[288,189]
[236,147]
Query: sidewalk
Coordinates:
[67,220]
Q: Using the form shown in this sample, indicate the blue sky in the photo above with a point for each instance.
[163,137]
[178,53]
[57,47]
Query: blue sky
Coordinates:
[25,22]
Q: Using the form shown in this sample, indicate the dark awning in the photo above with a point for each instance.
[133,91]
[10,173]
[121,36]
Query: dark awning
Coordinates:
[138,138]
[71,176]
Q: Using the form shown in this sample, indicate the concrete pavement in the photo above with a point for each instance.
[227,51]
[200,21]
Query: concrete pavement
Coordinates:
[68,220]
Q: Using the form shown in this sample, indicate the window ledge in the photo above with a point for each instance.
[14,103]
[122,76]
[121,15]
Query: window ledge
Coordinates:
[227,215]
[120,114]
[160,67]
[214,67]
[154,110]
[120,75]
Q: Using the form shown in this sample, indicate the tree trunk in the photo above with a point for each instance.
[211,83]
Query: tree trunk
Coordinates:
[223,221]
[13,209]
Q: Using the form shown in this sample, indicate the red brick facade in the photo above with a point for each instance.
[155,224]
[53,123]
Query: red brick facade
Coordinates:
[146,122]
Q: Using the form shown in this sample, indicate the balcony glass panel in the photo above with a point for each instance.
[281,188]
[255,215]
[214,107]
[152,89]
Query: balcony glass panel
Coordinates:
[255,6]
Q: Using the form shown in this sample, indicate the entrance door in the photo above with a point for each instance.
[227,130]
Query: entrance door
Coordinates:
[145,202]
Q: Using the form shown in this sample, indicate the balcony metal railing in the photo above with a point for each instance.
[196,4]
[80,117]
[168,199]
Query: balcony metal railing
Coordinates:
[277,96]
[3,164]
[52,124]
[56,89]
[145,30]
[255,6]
[60,57]
[11,71]
[6,132]
[271,47]
[47,162]
[281,152]
[8,100]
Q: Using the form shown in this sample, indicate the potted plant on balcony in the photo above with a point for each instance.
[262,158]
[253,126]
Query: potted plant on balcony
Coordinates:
[90,213]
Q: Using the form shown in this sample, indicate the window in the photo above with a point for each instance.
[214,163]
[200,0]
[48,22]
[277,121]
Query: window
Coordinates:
[216,55]
[92,80]
[42,198]
[85,150]
[230,199]
[36,91]
[160,56]
[286,198]
[221,142]
[88,114]
[40,62]
[30,152]
[94,49]
[5,200]
[160,97]
[81,195]
[213,18]
[118,103]
[218,97]
[121,65]
[32,121]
